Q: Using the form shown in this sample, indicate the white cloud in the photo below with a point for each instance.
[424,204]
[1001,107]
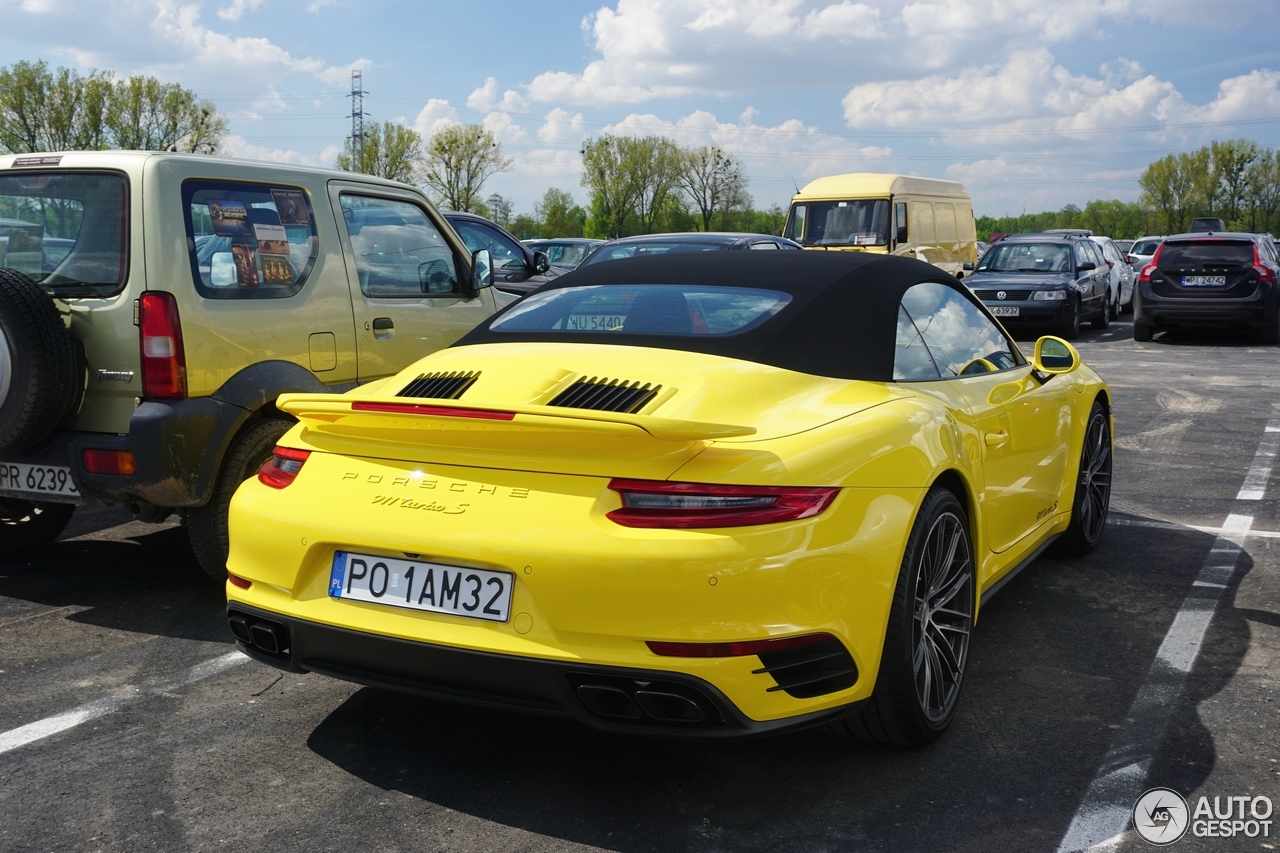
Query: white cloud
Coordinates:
[561,126]
[317,5]
[845,22]
[486,98]
[238,146]
[236,10]
[504,127]
[436,114]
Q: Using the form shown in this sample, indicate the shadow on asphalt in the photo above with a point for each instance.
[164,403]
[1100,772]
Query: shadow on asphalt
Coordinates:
[149,583]
[1055,663]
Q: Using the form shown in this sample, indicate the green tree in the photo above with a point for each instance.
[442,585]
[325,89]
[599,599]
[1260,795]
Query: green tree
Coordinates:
[44,110]
[1262,189]
[558,215]
[501,210]
[459,159]
[391,151]
[1231,160]
[1114,218]
[1178,187]
[631,179]
[713,182]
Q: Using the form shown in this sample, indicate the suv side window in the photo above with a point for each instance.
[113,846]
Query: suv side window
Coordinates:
[506,255]
[399,252]
[248,241]
[961,338]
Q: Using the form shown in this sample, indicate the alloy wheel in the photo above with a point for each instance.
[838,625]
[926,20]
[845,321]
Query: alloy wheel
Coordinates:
[1095,478]
[943,616]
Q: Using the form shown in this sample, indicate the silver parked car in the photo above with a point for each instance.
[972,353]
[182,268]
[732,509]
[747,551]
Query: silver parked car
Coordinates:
[1142,251]
[1123,277]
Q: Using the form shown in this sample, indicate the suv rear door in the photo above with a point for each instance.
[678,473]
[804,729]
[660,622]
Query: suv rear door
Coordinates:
[406,275]
[1206,268]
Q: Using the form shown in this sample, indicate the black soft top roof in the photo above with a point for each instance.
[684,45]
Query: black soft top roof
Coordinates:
[841,322]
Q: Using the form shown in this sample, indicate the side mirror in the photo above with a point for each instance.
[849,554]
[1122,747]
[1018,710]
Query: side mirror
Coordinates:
[481,269]
[968,266]
[1086,266]
[222,270]
[1054,356]
[540,263]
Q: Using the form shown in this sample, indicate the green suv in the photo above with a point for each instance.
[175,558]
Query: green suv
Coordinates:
[153,306]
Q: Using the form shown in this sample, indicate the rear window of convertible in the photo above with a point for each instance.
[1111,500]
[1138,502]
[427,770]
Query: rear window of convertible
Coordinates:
[644,309]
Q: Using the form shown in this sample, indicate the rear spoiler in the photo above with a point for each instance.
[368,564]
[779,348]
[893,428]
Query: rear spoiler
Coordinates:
[318,409]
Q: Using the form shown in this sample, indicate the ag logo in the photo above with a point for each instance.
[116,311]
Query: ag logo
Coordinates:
[1161,816]
[1001,295]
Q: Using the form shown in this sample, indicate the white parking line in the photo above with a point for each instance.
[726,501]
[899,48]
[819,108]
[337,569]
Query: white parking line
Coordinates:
[1255,482]
[1103,816]
[1169,525]
[41,729]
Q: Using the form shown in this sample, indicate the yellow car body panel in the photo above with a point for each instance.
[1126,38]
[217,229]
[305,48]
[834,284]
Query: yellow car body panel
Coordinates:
[593,591]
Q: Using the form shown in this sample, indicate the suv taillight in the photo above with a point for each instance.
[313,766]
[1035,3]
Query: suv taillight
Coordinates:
[164,364]
[1145,275]
[1264,271]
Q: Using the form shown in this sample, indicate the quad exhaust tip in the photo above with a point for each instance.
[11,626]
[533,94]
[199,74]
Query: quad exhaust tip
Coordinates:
[664,703]
[261,635]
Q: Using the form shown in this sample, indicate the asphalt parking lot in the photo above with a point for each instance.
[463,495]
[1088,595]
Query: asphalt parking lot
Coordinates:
[125,724]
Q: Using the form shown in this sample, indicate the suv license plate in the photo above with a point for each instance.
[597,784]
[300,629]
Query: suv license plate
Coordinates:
[457,591]
[1204,280]
[21,478]
[1005,311]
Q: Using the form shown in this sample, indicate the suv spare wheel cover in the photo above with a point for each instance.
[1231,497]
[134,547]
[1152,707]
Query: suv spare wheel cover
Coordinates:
[37,363]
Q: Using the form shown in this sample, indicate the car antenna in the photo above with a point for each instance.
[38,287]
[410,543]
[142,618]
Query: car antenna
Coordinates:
[794,184]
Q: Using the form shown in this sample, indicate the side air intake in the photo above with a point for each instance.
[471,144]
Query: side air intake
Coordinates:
[606,395]
[440,386]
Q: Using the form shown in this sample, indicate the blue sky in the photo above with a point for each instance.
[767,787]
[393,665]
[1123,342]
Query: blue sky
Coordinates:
[1031,104]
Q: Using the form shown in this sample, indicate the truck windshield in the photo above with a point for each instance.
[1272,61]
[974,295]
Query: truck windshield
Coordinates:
[839,223]
[66,230]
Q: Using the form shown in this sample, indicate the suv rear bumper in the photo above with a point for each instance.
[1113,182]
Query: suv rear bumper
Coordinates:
[176,446]
[1257,311]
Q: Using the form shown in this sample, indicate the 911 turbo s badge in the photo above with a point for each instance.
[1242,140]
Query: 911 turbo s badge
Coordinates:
[410,503]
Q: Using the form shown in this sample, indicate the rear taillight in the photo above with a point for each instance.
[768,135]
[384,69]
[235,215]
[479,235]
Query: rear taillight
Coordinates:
[164,364]
[657,503]
[735,649]
[1150,268]
[1264,271]
[120,462]
[283,467]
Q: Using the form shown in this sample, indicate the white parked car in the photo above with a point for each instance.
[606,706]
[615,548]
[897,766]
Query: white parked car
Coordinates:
[1123,277]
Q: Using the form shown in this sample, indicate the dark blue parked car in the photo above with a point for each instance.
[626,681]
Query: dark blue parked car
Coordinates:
[1045,283]
[692,241]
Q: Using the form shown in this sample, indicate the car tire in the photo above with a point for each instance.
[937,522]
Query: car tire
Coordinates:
[207,525]
[37,363]
[1142,332]
[1092,500]
[1069,329]
[910,707]
[1104,316]
[27,527]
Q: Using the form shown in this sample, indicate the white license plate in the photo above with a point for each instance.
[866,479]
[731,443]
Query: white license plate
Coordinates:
[1204,280]
[458,591]
[595,322]
[1005,311]
[37,479]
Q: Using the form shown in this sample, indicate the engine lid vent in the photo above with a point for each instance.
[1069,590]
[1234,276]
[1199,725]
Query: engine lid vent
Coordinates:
[602,394]
[440,386]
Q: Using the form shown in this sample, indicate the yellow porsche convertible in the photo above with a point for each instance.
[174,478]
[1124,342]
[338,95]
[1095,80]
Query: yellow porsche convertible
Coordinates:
[711,495]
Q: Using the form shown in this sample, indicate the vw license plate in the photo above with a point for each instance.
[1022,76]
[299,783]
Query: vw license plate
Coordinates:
[1204,280]
[1005,311]
[21,478]
[457,591]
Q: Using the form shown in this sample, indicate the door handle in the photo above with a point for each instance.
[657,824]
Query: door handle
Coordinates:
[995,439]
[382,324]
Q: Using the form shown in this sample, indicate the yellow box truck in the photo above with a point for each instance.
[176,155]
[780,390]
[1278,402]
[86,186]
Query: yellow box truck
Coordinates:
[925,218]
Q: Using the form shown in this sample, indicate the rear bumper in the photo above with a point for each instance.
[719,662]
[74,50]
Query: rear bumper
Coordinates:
[622,697]
[1257,311]
[170,443]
